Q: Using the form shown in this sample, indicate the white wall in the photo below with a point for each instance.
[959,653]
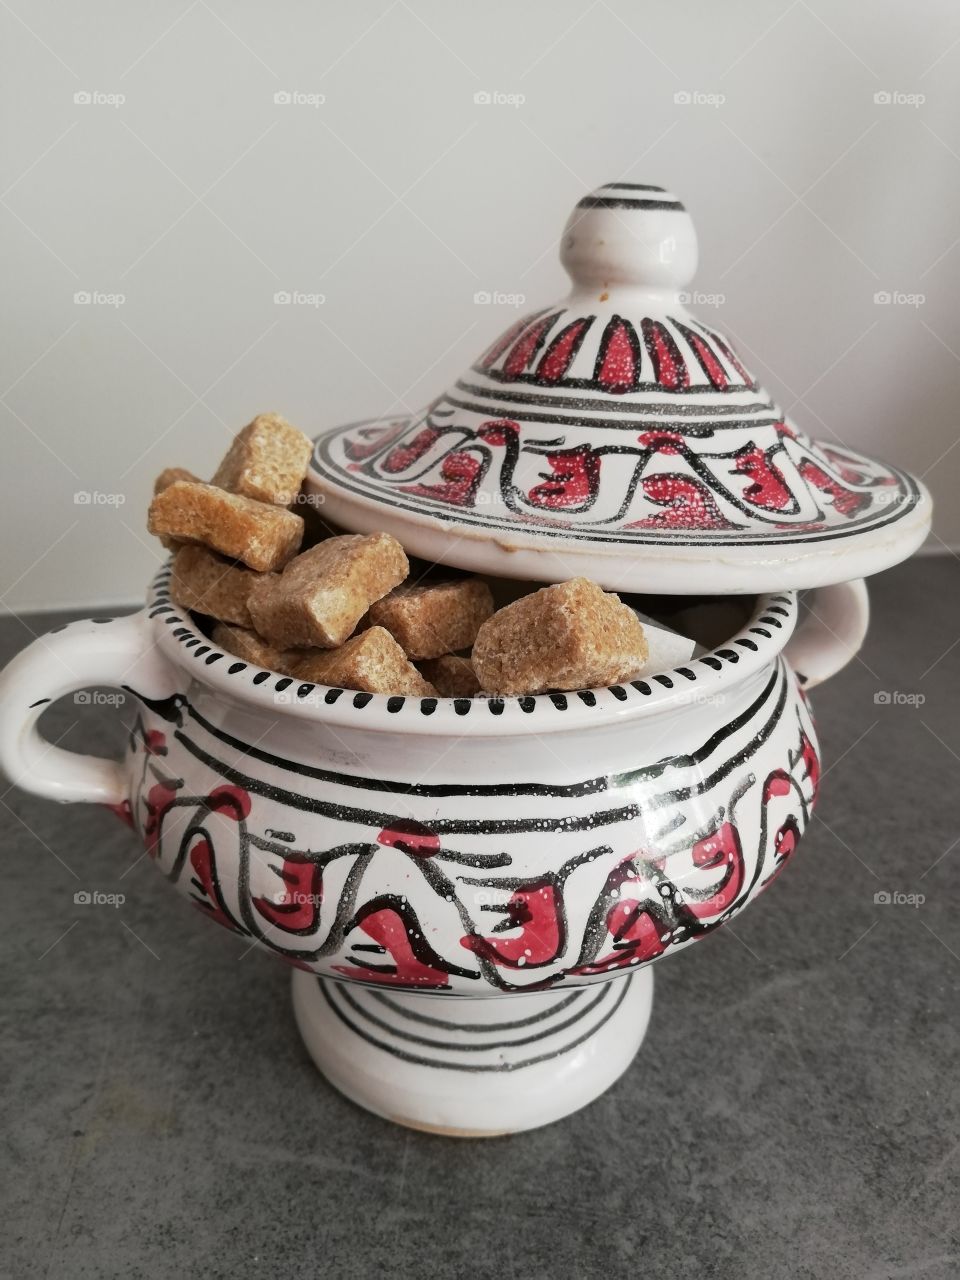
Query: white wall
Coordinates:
[398,198]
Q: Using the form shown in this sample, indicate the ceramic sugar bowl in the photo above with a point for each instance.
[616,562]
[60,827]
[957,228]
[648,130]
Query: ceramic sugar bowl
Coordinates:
[472,891]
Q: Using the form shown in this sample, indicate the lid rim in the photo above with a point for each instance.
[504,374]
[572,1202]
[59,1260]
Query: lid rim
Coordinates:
[647,565]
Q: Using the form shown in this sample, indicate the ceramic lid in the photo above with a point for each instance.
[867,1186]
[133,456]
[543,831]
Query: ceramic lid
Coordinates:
[616,436]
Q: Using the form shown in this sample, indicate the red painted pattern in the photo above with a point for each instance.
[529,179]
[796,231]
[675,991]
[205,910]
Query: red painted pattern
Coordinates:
[719,849]
[534,911]
[388,928]
[668,365]
[299,906]
[687,503]
[202,861]
[370,440]
[845,501]
[460,476]
[767,489]
[410,836]
[711,365]
[523,351]
[233,802]
[618,370]
[557,359]
[811,764]
[496,350]
[403,456]
[663,441]
[636,932]
[576,480]
[499,431]
[158,800]
[726,350]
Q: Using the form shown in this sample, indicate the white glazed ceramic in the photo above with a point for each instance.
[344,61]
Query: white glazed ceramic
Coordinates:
[472,890]
[410,856]
[614,435]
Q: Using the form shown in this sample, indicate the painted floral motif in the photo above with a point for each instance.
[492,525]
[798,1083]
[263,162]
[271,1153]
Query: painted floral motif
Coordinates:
[650,860]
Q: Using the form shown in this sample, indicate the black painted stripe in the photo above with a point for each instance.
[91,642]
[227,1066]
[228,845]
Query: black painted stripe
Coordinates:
[624,202]
[630,186]
[707,783]
[567,822]
[590,786]
[643,412]
[420,1060]
[413,1016]
[378,819]
[455,1047]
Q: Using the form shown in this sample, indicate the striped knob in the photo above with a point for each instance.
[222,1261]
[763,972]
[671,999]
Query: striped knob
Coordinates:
[626,233]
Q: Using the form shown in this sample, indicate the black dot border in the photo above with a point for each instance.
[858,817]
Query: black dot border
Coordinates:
[779,611]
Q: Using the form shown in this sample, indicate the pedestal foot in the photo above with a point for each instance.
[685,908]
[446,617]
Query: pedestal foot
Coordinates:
[472,1067]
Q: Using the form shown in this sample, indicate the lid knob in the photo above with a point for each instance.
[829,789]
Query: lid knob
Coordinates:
[627,233]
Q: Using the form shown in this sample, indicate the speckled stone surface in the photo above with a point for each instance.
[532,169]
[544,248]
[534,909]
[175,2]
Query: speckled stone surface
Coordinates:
[794,1111]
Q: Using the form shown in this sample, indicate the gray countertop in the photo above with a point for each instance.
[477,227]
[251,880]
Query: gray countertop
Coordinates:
[794,1111]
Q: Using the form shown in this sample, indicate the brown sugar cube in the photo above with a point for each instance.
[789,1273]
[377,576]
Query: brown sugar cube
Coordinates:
[321,595]
[267,461]
[430,619]
[452,677]
[570,636]
[262,536]
[372,662]
[163,481]
[204,581]
[246,644]
[169,476]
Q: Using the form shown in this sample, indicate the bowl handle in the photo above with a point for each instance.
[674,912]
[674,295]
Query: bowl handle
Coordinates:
[831,633]
[120,653]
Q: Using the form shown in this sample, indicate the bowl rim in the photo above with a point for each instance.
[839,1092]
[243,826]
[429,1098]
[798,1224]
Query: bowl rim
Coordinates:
[755,646]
